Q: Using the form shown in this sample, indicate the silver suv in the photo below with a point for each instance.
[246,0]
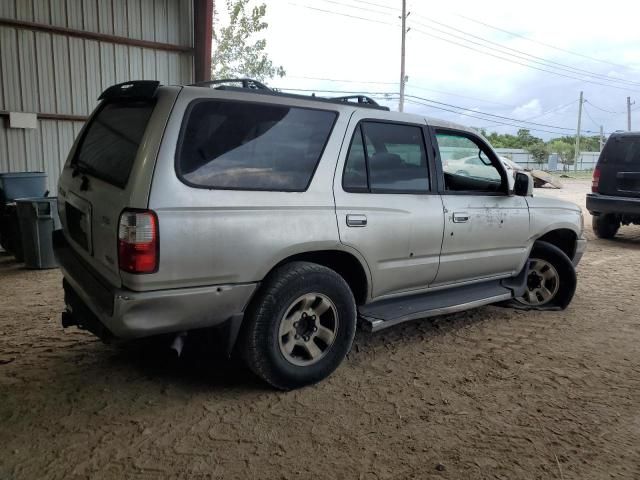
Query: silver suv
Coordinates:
[282,221]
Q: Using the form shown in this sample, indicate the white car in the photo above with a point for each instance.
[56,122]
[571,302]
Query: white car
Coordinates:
[472,166]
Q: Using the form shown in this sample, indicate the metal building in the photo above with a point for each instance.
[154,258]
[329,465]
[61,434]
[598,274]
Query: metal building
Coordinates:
[56,56]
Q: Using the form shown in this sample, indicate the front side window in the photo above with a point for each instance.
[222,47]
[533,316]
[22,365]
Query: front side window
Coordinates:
[249,146]
[386,158]
[466,164]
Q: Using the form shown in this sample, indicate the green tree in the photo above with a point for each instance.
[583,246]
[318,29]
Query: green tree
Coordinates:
[522,139]
[238,50]
[525,138]
[539,152]
[566,152]
[587,144]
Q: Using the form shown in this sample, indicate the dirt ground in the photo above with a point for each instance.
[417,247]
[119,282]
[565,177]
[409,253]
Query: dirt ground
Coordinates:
[491,393]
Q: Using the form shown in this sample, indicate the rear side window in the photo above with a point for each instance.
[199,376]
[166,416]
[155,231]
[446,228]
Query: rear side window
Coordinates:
[249,146]
[622,150]
[386,158]
[110,143]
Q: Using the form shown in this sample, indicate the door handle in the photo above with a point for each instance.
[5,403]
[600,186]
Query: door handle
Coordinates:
[356,220]
[460,217]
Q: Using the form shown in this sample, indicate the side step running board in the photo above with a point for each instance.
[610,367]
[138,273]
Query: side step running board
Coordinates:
[386,313]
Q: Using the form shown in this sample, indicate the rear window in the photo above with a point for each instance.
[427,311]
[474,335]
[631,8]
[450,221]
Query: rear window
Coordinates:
[109,146]
[622,150]
[249,146]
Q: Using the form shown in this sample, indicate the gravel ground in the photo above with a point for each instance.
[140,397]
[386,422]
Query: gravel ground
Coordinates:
[490,393]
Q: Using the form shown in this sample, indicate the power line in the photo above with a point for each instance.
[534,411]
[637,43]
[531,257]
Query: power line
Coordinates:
[416,102]
[540,60]
[539,42]
[395,9]
[491,114]
[358,7]
[340,80]
[408,85]
[546,112]
[551,110]
[604,110]
[470,48]
[495,121]
[342,14]
[543,61]
[584,109]
[461,96]
[464,109]
[376,5]
[520,63]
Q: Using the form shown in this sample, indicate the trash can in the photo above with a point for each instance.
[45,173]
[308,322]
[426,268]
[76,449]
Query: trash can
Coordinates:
[10,238]
[38,219]
[21,185]
[16,185]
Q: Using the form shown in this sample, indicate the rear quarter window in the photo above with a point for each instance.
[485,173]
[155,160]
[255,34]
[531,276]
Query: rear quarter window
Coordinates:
[251,146]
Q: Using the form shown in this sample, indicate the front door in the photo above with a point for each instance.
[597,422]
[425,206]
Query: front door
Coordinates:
[386,207]
[486,230]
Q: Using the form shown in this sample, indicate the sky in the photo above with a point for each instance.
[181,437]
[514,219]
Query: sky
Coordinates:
[554,49]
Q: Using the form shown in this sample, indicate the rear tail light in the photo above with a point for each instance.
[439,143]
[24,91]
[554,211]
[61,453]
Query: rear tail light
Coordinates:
[138,241]
[595,183]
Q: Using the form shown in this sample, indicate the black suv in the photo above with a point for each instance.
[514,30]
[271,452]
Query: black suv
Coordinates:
[615,199]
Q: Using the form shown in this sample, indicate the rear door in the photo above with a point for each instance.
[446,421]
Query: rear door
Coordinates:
[386,206]
[109,169]
[619,166]
[486,230]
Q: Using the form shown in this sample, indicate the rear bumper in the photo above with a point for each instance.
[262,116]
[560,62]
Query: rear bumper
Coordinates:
[126,314]
[598,204]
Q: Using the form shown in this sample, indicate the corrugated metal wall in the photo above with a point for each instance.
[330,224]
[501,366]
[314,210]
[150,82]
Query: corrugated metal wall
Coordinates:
[52,73]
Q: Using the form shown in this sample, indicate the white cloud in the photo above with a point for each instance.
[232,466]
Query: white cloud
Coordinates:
[530,109]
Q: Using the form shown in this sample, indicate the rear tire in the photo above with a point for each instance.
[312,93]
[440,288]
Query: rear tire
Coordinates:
[605,225]
[300,326]
[551,282]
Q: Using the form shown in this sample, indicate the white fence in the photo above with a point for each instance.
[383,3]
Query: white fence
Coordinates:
[586,161]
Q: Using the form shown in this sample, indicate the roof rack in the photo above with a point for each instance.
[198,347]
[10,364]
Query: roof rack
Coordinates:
[249,83]
[360,99]
[257,87]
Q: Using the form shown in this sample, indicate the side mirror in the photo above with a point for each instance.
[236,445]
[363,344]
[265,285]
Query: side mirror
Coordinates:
[523,185]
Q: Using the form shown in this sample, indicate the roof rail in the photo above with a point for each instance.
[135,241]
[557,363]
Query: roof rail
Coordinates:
[363,99]
[245,82]
[257,87]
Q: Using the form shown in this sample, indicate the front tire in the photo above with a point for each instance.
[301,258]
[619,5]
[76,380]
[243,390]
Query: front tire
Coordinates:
[606,225]
[300,326]
[551,282]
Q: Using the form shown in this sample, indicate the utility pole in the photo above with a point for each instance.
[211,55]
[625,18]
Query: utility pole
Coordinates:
[629,114]
[402,48]
[601,138]
[575,160]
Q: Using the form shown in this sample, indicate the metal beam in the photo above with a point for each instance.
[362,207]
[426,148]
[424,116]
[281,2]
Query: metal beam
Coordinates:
[202,28]
[101,37]
[53,116]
